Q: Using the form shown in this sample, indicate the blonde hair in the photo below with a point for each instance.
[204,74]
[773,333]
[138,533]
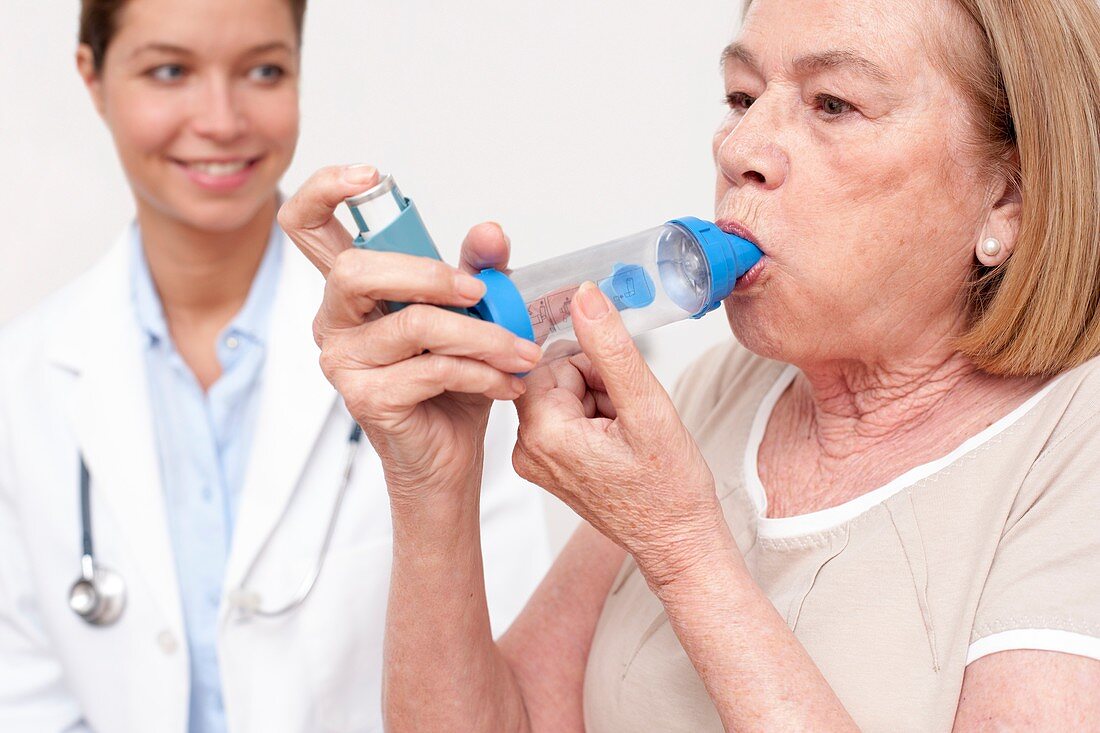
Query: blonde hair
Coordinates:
[1034,85]
[1039,97]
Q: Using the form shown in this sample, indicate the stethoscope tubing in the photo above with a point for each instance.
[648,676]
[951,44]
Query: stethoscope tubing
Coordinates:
[108,590]
[248,601]
[98,596]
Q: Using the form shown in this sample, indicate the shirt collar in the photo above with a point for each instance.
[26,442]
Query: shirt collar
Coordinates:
[147,307]
[251,320]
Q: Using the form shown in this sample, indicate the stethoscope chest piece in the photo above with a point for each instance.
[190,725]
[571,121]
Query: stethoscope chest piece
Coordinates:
[98,597]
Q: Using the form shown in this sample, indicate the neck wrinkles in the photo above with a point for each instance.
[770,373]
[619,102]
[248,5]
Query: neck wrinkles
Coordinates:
[851,406]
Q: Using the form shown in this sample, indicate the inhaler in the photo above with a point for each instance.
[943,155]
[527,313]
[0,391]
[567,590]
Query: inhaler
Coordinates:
[681,269]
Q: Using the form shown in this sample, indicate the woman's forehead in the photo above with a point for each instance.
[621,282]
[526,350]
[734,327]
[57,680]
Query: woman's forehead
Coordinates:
[199,24]
[877,37]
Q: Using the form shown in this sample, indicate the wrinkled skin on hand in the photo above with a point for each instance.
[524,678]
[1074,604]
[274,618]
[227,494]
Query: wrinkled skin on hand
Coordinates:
[599,431]
[419,381]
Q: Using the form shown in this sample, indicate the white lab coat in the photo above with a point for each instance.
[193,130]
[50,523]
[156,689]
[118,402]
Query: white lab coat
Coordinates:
[72,381]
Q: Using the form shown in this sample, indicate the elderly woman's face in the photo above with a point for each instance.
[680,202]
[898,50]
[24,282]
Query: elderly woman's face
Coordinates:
[844,153]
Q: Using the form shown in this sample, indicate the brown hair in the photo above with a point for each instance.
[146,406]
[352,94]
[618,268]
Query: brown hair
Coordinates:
[1034,86]
[99,23]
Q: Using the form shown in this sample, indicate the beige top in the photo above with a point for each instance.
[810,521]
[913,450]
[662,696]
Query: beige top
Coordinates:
[995,546]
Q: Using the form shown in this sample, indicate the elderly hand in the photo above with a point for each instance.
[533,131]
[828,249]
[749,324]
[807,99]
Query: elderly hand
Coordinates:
[600,433]
[420,380]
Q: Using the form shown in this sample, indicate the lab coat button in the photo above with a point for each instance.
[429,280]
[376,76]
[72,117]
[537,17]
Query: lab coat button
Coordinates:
[166,640]
[232,342]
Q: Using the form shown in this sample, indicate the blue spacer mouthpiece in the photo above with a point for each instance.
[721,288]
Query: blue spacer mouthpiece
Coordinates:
[503,305]
[728,258]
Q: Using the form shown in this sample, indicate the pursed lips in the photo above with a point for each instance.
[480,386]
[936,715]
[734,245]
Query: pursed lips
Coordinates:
[737,228]
[733,226]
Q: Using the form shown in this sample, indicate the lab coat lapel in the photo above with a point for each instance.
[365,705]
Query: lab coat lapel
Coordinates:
[100,348]
[295,402]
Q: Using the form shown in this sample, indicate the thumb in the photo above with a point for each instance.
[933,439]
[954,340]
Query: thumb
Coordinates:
[308,217]
[485,246]
[631,385]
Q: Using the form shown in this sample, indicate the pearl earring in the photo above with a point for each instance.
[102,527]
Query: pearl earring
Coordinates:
[991,247]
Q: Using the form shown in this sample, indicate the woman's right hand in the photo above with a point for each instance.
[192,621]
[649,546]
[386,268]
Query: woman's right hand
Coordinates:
[419,381]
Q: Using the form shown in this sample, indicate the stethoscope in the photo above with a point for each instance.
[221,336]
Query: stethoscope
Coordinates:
[99,595]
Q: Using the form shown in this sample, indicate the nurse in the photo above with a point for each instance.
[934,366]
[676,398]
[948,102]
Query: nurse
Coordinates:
[179,379]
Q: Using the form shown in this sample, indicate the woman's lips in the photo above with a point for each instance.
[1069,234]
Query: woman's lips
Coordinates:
[752,275]
[732,226]
[218,175]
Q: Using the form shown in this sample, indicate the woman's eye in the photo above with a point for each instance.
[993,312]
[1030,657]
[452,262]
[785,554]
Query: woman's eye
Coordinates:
[831,106]
[166,72]
[739,100]
[266,73]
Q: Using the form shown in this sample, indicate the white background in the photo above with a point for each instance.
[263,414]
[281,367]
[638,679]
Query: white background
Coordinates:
[569,122]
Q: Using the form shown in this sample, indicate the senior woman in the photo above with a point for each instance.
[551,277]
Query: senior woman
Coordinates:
[878,509]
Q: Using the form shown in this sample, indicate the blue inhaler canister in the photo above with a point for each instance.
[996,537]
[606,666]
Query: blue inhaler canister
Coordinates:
[681,269]
[389,222]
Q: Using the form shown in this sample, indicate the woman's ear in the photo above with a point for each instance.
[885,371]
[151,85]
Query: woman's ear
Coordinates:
[998,238]
[85,66]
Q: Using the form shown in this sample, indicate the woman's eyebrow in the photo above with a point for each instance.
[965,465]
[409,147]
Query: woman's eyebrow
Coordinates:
[273,46]
[161,47]
[813,63]
[182,51]
[737,52]
[818,62]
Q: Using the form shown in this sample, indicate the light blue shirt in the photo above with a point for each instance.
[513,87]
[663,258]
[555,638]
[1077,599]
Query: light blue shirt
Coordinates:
[203,444]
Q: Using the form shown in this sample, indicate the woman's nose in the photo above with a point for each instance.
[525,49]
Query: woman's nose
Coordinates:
[749,154]
[218,116]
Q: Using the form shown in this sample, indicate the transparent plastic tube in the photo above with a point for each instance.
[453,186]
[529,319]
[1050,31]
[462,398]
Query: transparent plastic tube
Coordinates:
[681,269]
[655,277]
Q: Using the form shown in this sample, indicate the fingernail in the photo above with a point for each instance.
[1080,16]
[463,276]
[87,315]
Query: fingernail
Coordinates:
[518,385]
[469,287]
[360,174]
[503,233]
[528,350]
[592,302]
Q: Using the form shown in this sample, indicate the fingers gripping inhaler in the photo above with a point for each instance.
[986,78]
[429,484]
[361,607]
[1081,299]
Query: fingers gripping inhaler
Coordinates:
[681,269]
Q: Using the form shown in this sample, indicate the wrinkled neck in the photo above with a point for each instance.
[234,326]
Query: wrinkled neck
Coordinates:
[850,407]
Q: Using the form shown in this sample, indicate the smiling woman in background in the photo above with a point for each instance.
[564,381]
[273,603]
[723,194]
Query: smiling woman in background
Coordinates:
[879,509]
[181,372]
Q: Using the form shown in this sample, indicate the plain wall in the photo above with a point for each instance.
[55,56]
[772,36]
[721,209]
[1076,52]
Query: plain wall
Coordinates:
[568,122]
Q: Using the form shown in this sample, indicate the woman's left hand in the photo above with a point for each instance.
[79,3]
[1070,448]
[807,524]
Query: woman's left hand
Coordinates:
[599,431]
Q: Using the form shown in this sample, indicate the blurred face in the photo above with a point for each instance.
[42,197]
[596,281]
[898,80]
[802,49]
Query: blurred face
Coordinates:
[843,156]
[201,98]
